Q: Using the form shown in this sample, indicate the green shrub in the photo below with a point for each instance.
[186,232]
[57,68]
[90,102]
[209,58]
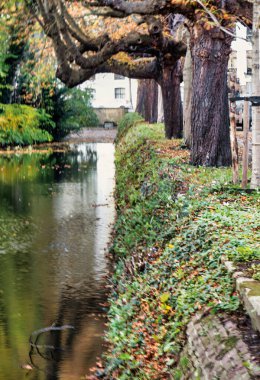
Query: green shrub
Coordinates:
[23,125]
[72,111]
[127,122]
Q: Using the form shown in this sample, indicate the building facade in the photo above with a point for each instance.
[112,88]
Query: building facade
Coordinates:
[112,91]
[240,63]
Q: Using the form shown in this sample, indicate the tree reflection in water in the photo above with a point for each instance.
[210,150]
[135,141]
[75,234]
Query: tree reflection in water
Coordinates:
[52,260]
[63,348]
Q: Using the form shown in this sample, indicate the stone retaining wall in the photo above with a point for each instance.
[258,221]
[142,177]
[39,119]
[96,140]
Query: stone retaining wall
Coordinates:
[249,291]
[215,350]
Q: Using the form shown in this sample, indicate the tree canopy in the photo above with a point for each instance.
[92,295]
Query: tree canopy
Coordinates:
[144,39]
[88,36]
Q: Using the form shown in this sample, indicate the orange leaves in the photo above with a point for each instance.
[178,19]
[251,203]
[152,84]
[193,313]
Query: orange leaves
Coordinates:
[120,28]
[145,307]
[96,25]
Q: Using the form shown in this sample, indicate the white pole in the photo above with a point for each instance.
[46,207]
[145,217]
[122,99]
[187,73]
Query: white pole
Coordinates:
[255,181]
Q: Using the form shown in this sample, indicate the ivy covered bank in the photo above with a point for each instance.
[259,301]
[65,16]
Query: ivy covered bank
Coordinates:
[176,225]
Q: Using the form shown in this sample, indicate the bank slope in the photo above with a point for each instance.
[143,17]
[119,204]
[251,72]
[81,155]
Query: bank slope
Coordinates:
[175,224]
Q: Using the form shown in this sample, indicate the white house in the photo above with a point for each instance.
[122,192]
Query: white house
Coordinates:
[112,91]
[241,59]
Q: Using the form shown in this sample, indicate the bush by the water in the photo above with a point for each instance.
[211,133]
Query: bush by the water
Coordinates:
[66,111]
[23,125]
[128,121]
[71,110]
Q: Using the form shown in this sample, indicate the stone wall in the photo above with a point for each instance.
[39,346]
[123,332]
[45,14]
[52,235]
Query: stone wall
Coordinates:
[112,115]
[215,350]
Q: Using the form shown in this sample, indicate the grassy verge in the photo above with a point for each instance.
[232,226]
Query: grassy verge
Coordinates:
[174,224]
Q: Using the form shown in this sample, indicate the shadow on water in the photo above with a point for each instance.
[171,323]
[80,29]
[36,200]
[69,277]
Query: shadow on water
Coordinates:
[54,228]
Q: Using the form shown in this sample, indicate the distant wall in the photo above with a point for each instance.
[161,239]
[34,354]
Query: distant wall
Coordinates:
[110,114]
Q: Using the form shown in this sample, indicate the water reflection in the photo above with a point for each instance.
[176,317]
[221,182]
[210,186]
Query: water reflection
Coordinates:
[55,213]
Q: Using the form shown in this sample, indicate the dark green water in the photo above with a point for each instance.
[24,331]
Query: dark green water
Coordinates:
[56,212]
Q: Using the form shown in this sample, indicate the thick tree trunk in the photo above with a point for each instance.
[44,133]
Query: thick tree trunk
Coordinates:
[209,107]
[147,100]
[255,181]
[172,106]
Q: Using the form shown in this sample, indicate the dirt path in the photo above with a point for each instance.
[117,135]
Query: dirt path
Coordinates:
[92,135]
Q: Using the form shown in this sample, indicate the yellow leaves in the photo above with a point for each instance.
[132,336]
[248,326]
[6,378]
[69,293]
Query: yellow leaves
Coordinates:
[122,58]
[164,297]
[179,273]
[96,23]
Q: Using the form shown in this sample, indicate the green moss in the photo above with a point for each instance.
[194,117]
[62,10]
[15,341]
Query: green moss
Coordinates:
[228,343]
[184,363]
[231,342]
[254,287]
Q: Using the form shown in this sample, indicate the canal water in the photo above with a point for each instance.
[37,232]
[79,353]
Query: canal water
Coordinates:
[56,211]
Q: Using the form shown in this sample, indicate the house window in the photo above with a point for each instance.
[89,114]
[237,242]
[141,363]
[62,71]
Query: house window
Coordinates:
[249,33]
[92,92]
[120,93]
[249,61]
[116,77]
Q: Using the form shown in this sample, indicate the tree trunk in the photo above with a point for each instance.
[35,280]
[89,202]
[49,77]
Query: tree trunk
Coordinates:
[172,106]
[255,181]
[209,107]
[147,100]
[187,79]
